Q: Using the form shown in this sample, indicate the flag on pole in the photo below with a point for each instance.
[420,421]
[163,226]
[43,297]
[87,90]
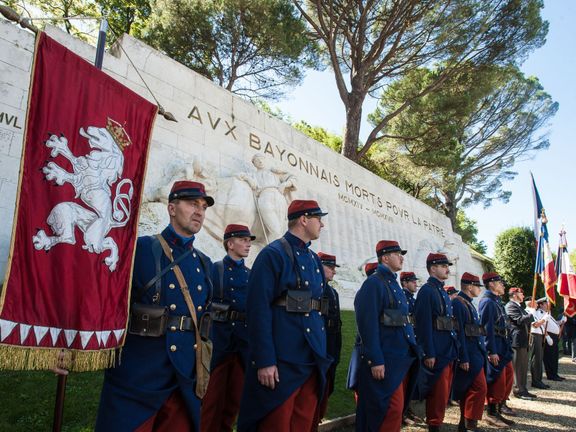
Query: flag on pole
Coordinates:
[544,266]
[566,276]
[538,209]
[81,178]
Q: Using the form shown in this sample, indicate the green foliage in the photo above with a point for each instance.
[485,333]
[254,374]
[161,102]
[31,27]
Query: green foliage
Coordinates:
[61,9]
[468,229]
[320,134]
[515,255]
[465,137]
[251,47]
[125,16]
[371,45]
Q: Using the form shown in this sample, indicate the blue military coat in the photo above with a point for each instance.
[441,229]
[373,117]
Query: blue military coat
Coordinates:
[432,302]
[150,369]
[333,325]
[410,299]
[294,342]
[493,317]
[230,336]
[393,347]
[471,349]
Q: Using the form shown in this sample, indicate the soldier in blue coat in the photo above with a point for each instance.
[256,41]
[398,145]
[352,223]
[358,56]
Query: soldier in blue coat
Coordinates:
[230,357]
[287,332]
[437,338]
[387,345]
[333,330]
[469,386]
[499,371]
[409,283]
[152,387]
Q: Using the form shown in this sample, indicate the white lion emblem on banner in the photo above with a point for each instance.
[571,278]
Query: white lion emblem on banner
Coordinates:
[92,178]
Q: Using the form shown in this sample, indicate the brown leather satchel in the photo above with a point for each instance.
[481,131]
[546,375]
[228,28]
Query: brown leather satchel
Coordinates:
[203,344]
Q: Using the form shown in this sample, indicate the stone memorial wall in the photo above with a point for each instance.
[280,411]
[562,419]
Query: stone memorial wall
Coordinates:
[252,163]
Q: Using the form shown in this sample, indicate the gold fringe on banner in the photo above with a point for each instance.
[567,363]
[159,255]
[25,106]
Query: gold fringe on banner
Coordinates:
[34,358]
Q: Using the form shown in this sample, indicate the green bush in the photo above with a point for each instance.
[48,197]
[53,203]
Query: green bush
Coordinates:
[514,257]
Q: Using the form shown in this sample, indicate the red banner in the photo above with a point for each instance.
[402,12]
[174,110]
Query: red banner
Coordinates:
[81,178]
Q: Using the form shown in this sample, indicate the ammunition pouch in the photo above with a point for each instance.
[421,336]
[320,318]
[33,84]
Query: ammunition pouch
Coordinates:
[393,318]
[298,301]
[148,320]
[301,301]
[205,326]
[444,323]
[219,312]
[474,330]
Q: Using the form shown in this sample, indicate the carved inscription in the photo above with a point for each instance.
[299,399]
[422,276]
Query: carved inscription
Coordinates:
[349,192]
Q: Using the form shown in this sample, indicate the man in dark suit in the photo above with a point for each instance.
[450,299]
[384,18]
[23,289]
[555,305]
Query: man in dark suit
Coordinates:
[520,321]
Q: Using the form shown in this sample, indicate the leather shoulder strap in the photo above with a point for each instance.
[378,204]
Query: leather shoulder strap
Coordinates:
[391,302]
[220,269]
[288,249]
[181,282]
[156,281]
[466,305]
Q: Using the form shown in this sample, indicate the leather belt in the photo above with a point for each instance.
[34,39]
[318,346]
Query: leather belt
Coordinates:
[180,323]
[315,304]
[236,316]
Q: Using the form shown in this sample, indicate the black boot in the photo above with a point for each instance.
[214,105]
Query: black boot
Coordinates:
[433,428]
[504,419]
[471,425]
[462,424]
[493,418]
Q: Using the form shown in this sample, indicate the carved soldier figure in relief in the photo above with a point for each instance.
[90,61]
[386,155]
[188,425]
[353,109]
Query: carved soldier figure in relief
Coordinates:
[271,188]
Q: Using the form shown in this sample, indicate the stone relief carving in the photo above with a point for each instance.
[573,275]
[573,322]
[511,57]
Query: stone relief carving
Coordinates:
[257,197]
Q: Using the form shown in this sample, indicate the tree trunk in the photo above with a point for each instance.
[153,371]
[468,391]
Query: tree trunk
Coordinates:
[352,131]
[450,209]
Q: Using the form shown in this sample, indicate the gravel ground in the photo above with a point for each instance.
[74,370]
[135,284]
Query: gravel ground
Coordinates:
[554,409]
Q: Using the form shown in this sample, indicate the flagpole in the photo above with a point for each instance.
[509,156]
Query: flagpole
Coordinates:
[61,386]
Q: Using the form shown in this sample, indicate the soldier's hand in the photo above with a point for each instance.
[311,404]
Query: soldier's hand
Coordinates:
[494,359]
[268,376]
[430,362]
[378,372]
[58,368]
[465,366]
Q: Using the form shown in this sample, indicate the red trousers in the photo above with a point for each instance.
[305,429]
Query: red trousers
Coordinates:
[172,416]
[472,404]
[297,413]
[509,380]
[393,419]
[222,400]
[438,398]
[499,390]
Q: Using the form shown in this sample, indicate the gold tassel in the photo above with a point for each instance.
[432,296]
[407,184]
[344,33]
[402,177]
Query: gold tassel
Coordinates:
[25,358]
